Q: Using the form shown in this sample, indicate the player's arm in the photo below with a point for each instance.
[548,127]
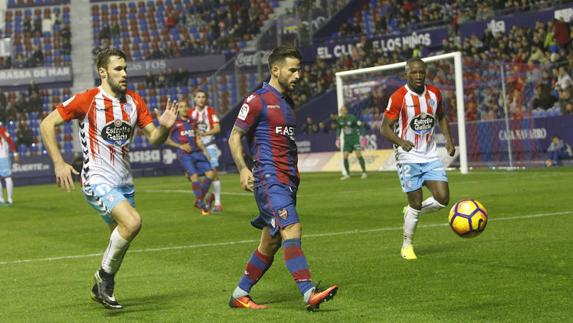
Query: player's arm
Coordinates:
[445,127]
[201,146]
[11,144]
[158,135]
[215,130]
[236,146]
[387,131]
[62,169]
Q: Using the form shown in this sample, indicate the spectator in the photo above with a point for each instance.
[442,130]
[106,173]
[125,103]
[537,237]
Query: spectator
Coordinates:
[149,81]
[542,98]
[34,103]
[24,135]
[561,33]
[310,127]
[557,151]
[322,128]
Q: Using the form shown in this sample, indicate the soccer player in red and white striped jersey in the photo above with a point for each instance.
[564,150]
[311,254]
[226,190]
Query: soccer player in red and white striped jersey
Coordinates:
[6,147]
[108,115]
[409,122]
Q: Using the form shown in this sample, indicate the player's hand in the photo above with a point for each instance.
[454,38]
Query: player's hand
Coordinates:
[168,117]
[186,147]
[247,180]
[407,145]
[451,149]
[64,177]
[337,143]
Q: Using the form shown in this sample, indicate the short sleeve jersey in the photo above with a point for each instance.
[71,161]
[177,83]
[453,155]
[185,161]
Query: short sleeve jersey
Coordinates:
[349,125]
[269,121]
[183,132]
[416,116]
[205,120]
[6,143]
[106,126]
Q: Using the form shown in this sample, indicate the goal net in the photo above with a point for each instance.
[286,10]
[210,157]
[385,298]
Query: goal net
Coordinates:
[365,93]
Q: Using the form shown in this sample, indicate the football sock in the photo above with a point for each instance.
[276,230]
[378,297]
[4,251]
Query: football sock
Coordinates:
[205,184]
[1,192]
[256,267]
[196,185]
[297,265]
[114,253]
[430,205]
[217,191]
[362,164]
[410,222]
[346,167]
[9,189]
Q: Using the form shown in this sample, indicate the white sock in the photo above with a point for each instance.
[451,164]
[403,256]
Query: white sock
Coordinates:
[217,190]
[410,222]
[307,294]
[238,292]
[431,205]
[1,191]
[114,253]
[9,189]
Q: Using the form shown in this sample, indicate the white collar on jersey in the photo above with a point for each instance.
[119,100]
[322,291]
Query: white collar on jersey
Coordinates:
[109,96]
[416,93]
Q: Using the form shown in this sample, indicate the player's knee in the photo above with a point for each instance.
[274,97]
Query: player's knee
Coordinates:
[133,223]
[444,200]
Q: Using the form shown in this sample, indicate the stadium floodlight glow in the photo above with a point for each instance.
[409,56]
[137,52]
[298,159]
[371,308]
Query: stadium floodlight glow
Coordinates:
[456,57]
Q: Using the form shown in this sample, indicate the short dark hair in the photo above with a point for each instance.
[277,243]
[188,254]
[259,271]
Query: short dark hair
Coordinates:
[102,56]
[199,91]
[414,60]
[280,53]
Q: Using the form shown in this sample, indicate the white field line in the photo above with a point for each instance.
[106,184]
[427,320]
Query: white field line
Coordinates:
[231,243]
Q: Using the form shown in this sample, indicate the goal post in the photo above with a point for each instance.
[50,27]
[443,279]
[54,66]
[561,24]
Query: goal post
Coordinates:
[363,74]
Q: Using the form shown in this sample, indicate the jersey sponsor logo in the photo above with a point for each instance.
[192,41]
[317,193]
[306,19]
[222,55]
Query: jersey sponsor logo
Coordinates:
[187,133]
[285,131]
[116,132]
[422,123]
[243,112]
[273,106]
[202,126]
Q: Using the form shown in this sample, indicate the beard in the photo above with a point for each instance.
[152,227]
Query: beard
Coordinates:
[116,87]
[286,85]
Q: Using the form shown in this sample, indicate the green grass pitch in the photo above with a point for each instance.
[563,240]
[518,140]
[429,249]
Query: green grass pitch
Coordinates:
[183,267]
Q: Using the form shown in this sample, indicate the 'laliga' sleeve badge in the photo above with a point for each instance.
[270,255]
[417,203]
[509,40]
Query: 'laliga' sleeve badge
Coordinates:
[243,112]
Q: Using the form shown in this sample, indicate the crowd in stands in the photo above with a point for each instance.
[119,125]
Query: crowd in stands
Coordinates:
[386,17]
[175,28]
[40,36]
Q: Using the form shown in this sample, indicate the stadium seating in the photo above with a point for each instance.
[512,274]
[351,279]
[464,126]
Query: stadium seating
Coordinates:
[38,30]
[173,28]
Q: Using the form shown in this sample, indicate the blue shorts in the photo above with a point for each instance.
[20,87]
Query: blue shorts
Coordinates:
[194,163]
[214,153]
[103,198]
[5,168]
[277,206]
[413,175]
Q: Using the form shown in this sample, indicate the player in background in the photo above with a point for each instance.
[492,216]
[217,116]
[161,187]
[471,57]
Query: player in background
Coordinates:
[107,116]
[267,120]
[208,125]
[409,122]
[6,147]
[351,129]
[192,156]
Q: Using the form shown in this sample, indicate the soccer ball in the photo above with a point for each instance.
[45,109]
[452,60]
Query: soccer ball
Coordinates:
[468,218]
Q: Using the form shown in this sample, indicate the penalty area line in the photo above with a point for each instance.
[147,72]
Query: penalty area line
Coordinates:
[232,243]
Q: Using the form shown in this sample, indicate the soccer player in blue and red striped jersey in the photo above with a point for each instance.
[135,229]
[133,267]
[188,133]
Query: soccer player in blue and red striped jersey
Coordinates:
[267,120]
[192,155]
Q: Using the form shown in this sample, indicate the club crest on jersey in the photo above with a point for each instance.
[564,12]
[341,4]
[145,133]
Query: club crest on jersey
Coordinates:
[432,103]
[283,213]
[116,132]
[422,123]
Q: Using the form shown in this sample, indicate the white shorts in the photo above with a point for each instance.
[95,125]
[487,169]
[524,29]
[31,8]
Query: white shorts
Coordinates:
[5,167]
[214,154]
[413,175]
